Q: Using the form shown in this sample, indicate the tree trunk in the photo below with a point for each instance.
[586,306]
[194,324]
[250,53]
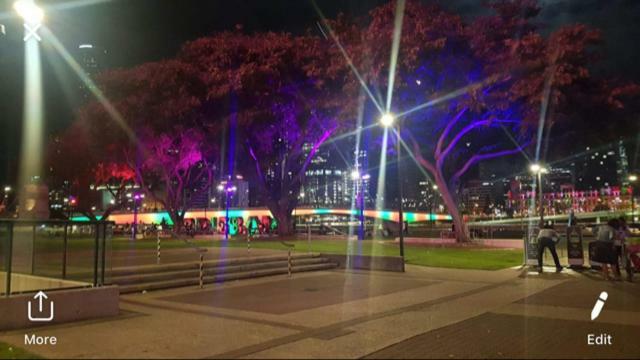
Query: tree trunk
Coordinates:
[285,225]
[285,222]
[178,221]
[452,208]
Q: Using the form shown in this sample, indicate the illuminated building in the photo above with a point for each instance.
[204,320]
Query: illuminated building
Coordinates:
[92,59]
[328,181]
[603,167]
[325,183]
[217,200]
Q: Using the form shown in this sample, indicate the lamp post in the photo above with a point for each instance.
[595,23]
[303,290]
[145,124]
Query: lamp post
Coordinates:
[387,120]
[538,170]
[136,197]
[359,180]
[228,189]
[632,181]
[29,11]
[295,208]
[433,202]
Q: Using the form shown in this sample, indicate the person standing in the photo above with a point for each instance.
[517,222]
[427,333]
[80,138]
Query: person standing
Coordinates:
[619,242]
[547,238]
[605,250]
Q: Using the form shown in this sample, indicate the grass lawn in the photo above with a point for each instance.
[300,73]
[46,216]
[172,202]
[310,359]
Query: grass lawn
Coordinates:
[10,352]
[460,258]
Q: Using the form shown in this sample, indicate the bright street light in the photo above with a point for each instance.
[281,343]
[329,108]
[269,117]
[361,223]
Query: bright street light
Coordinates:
[29,11]
[535,168]
[355,175]
[538,169]
[387,119]
[7,189]
[633,178]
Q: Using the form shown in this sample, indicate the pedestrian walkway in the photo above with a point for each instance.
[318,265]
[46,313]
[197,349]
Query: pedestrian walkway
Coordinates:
[425,312]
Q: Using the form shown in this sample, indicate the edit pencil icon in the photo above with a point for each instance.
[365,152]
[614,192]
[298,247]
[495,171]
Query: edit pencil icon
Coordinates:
[597,308]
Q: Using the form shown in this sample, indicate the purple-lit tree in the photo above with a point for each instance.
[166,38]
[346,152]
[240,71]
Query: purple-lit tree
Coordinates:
[174,169]
[279,96]
[470,92]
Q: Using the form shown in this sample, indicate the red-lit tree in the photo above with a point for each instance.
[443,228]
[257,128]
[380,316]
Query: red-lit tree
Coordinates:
[152,128]
[82,171]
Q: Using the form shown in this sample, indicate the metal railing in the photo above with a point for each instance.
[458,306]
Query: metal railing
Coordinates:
[58,253]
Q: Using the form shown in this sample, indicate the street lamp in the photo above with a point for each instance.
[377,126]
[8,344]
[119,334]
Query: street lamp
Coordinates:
[434,187]
[632,179]
[387,120]
[538,170]
[136,197]
[228,189]
[359,179]
[29,11]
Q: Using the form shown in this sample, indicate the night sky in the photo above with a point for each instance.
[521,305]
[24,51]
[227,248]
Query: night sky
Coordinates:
[136,31]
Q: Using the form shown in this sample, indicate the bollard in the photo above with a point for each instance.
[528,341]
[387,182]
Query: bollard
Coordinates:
[158,242]
[201,271]
[248,243]
[289,261]
[309,238]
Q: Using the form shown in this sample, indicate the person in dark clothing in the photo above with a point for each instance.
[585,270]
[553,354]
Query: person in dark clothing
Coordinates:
[547,238]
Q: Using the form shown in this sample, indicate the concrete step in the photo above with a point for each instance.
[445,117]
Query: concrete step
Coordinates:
[195,264]
[212,271]
[157,285]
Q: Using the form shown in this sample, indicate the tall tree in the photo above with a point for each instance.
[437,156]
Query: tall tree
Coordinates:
[175,168]
[153,126]
[273,89]
[81,169]
[470,92]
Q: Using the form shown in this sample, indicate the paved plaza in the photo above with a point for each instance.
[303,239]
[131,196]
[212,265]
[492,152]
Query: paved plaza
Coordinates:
[423,313]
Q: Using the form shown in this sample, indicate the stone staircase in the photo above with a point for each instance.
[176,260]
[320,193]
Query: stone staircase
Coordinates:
[171,275]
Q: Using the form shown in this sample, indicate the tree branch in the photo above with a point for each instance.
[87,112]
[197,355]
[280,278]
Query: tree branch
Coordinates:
[466,130]
[480,157]
[447,130]
[417,153]
[312,153]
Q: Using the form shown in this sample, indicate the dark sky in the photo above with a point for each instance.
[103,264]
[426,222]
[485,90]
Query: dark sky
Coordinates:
[136,31]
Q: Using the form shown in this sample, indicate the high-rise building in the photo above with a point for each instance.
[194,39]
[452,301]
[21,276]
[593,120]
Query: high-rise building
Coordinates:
[92,59]
[324,184]
[328,181]
[239,197]
[600,168]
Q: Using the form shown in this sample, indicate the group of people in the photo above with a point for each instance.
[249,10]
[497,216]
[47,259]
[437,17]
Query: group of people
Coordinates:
[610,239]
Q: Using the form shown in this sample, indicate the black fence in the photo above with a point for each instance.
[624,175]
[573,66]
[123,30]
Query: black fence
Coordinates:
[53,254]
